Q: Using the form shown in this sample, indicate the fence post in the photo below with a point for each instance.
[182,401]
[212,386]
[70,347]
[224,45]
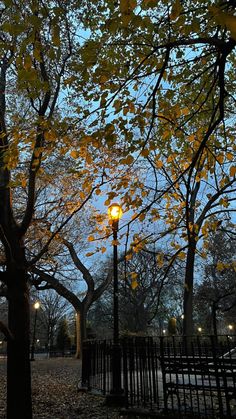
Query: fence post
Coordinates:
[216,368]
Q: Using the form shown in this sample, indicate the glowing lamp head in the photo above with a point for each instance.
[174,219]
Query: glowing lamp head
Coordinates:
[36,305]
[114,212]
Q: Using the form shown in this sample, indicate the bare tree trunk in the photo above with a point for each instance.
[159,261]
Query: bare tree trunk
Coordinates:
[18,349]
[81,334]
[78,335]
[188,290]
[214,319]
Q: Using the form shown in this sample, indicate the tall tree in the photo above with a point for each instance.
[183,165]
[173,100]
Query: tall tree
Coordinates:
[169,86]
[53,309]
[81,301]
[41,122]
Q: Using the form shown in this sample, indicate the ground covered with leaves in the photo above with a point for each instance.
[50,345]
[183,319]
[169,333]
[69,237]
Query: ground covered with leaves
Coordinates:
[55,392]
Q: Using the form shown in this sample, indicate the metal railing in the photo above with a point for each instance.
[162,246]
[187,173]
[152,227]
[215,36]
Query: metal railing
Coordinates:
[190,377]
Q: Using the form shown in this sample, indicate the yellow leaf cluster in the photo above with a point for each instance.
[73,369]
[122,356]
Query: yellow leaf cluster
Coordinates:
[224,19]
[128,256]
[145,152]
[127,6]
[181,255]
[160,259]
[220,266]
[176,10]
[224,202]
[220,158]
[74,154]
[232,171]
[90,238]
[134,284]
[159,164]
[155,214]
[133,275]
[142,216]
[90,254]
[128,160]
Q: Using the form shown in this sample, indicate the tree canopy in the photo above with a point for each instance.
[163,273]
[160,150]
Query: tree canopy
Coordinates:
[132,99]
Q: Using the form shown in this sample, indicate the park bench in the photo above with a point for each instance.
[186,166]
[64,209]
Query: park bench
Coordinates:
[191,378]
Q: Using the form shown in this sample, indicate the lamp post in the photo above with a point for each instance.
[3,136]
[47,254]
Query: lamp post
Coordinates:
[36,307]
[116,396]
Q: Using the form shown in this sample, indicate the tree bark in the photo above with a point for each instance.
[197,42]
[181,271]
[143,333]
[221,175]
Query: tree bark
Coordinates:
[81,334]
[214,319]
[78,335]
[188,290]
[18,348]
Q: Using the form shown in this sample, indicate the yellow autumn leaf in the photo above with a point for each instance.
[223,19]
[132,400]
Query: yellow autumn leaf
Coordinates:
[142,216]
[220,266]
[185,111]
[88,159]
[160,260]
[220,158]
[191,138]
[224,202]
[176,10]
[128,256]
[134,284]
[145,153]
[232,171]
[129,159]
[74,154]
[103,249]
[224,19]
[230,156]
[159,164]
[127,6]
[181,255]
[90,238]
[103,79]
[90,254]
[23,183]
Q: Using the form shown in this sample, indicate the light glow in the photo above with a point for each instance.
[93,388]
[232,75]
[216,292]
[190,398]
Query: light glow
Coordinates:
[114,212]
[36,305]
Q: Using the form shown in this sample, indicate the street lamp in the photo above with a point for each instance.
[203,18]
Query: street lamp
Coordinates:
[116,396]
[36,307]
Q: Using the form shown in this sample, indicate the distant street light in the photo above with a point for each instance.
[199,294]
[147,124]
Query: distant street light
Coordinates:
[116,395]
[199,329]
[36,307]
[230,327]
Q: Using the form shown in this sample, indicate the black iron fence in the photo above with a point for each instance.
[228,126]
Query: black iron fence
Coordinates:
[190,377]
